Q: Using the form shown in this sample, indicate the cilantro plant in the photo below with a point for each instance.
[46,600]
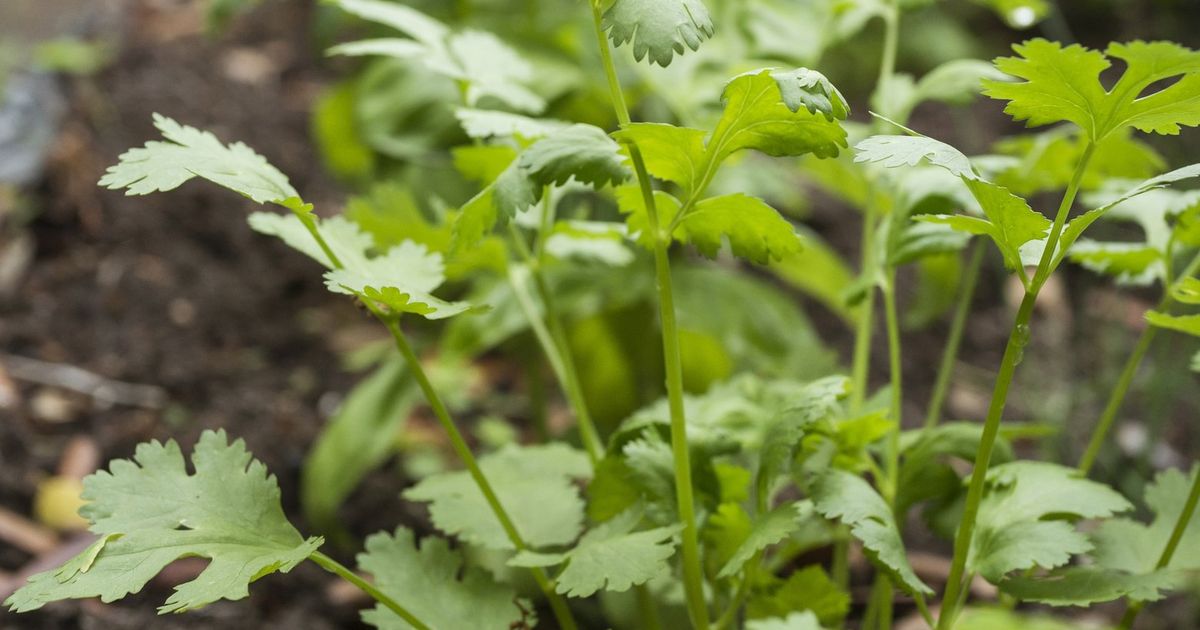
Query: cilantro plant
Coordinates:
[702,506]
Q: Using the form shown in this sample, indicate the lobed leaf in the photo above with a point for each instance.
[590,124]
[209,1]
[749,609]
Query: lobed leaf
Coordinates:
[754,229]
[189,152]
[432,583]
[149,512]
[1084,586]
[1063,84]
[658,28]
[610,556]
[533,483]
[780,114]
[767,530]
[1124,544]
[849,498]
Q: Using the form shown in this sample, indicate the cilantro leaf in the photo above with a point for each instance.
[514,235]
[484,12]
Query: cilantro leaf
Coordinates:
[763,111]
[1014,529]
[754,229]
[767,530]
[400,280]
[1129,263]
[1010,222]
[149,512]
[426,581]
[673,154]
[533,483]
[482,124]
[1126,545]
[1083,586]
[580,152]
[658,28]
[343,236]
[1063,84]
[803,620]
[610,557]
[808,590]
[1189,324]
[849,498]
[190,152]
[480,61]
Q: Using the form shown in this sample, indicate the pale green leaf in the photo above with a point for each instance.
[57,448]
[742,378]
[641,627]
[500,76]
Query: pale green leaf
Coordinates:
[401,280]
[403,18]
[190,152]
[610,557]
[919,240]
[957,81]
[768,529]
[484,124]
[658,28]
[580,152]
[1189,324]
[432,583]
[804,620]
[1129,263]
[591,241]
[150,512]
[1063,84]
[534,484]
[754,229]
[343,236]
[895,151]
[1127,545]
[1084,586]
[849,498]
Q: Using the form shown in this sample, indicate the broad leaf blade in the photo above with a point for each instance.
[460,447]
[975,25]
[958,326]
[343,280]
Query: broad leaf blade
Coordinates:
[150,511]
[658,28]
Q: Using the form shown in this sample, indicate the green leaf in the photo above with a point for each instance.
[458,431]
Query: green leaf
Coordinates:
[483,64]
[631,203]
[1129,263]
[754,229]
[400,280]
[673,154]
[533,483]
[1046,161]
[1010,221]
[592,241]
[1187,291]
[610,557]
[849,498]
[1063,84]
[1014,529]
[957,82]
[1126,545]
[343,236]
[483,124]
[149,512]
[807,590]
[925,472]
[767,530]
[426,581]
[780,114]
[1189,324]
[659,28]
[580,152]
[920,240]
[816,401]
[355,441]
[1084,586]
[190,152]
[804,620]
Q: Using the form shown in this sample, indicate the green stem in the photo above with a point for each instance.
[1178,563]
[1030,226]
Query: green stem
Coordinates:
[954,341]
[1117,398]
[866,320]
[693,580]
[1013,353]
[554,346]
[336,568]
[559,606]
[1164,560]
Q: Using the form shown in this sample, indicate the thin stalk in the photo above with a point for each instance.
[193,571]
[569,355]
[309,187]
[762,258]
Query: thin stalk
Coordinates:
[1013,353]
[559,606]
[1117,398]
[554,347]
[954,341]
[866,320]
[338,569]
[1164,560]
[693,580]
